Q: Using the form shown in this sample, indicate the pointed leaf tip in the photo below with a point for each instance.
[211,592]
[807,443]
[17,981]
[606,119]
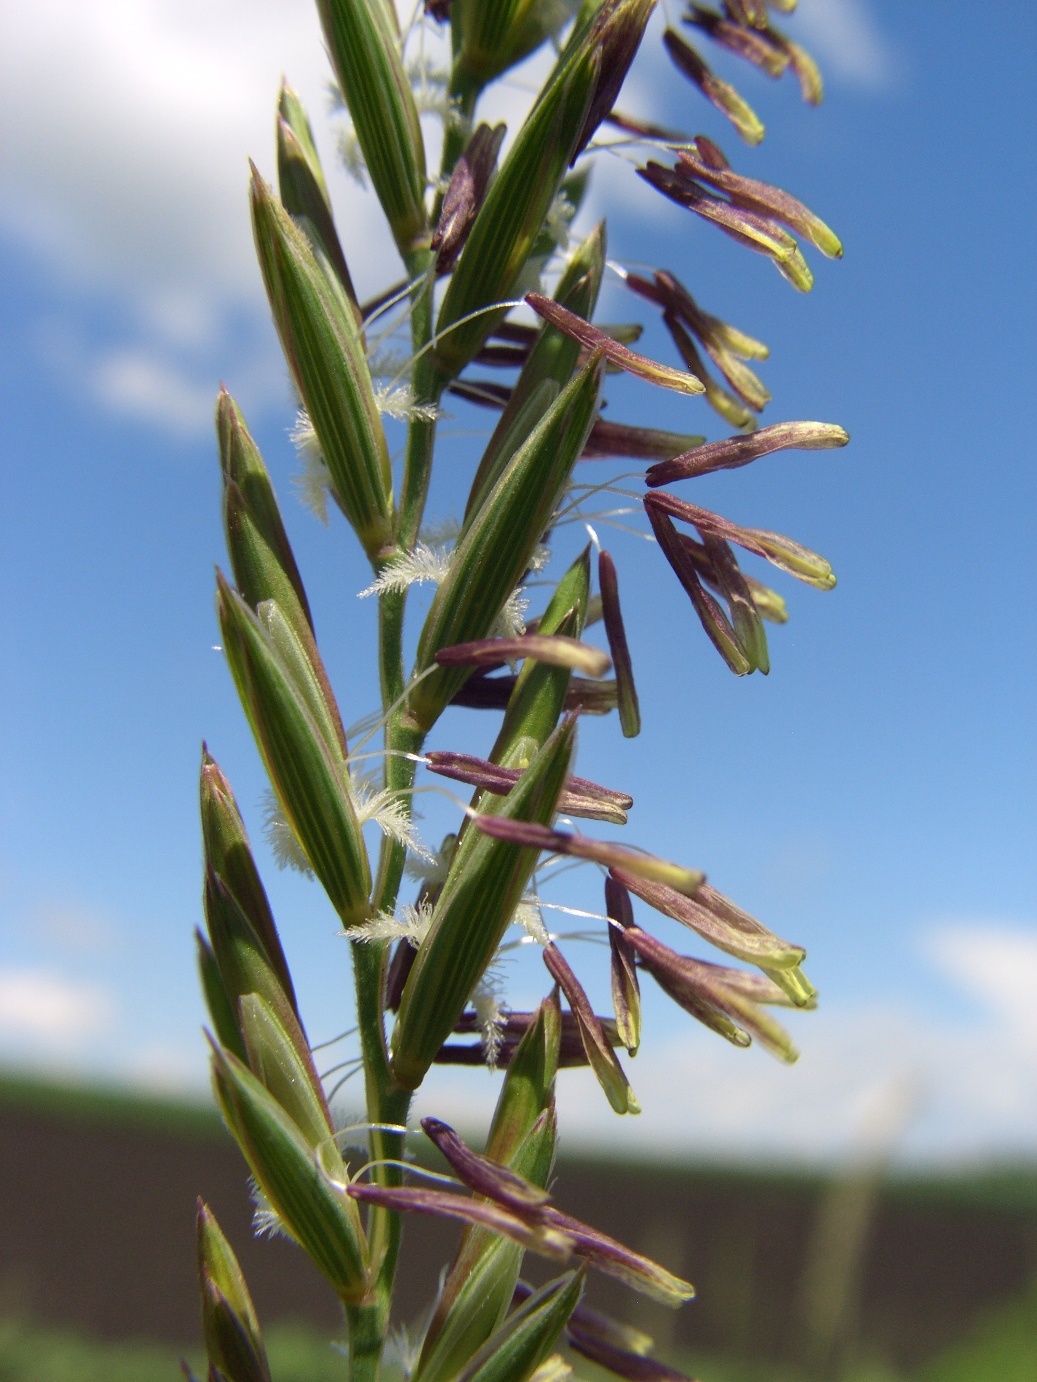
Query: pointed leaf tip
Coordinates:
[615,630]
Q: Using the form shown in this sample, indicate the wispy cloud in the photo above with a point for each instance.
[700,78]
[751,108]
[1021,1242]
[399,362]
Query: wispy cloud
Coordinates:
[128,175]
[996,966]
[135,119]
[845,38]
[42,1008]
[152,380]
[138,384]
[127,183]
[957,1086]
[956,1083]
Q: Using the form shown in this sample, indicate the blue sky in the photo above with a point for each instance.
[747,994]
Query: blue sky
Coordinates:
[873,798]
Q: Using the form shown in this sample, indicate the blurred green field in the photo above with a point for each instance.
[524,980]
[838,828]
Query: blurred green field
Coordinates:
[1002,1347]
[933,1290]
[34,1354]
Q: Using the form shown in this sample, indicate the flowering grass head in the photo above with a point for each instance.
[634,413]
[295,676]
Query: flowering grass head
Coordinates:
[497,307]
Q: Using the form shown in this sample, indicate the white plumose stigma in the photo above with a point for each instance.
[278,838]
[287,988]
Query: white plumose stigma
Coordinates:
[397,401]
[411,925]
[266,1222]
[527,915]
[422,563]
[389,814]
[404,1350]
[370,802]
[429,85]
[489,1012]
[280,837]
[431,867]
[346,143]
[511,622]
[540,558]
[558,220]
[314,479]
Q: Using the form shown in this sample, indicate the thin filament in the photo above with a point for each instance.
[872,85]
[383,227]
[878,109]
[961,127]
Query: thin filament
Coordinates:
[359,1066]
[384,718]
[322,1045]
[439,335]
[408,1166]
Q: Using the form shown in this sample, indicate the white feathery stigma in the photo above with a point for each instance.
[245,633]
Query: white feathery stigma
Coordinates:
[411,925]
[397,401]
[389,813]
[511,622]
[314,479]
[280,837]
[430,871]
[350,153]
[371,803]
[489,1012]
[429,85]
[404,1350]
[540,558]
[266,1222]
[527,915]
[558,220]
[422,563]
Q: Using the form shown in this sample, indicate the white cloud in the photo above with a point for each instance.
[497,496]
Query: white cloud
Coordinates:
[140,385]
[45,1008]
[129,123]
[872,1077]
[151,380]
[869,1081]
[997,965]
[843,36]
[134,123]
[124,169]
[181,317]
[134,119]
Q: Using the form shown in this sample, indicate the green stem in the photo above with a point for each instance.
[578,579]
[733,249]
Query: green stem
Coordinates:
[390,647]
[402,736]
[366,1337]
[386,1101]
[426,386]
